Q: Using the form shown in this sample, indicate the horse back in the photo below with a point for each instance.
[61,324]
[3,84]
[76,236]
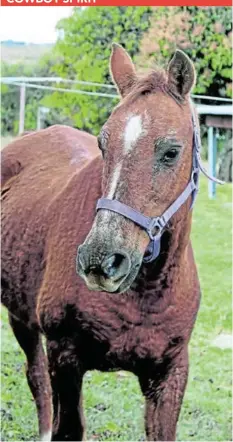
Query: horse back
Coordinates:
[54,147]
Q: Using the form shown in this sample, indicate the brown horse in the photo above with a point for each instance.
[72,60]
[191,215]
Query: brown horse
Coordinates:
[109,309]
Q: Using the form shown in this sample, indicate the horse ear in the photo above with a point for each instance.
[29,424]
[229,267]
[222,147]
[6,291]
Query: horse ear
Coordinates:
[181,74]
[122,69]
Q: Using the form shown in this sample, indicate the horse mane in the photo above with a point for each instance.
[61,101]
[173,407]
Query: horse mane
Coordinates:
[150,83]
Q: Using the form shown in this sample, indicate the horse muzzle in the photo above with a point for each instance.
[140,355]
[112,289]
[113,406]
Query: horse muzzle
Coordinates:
[103,271]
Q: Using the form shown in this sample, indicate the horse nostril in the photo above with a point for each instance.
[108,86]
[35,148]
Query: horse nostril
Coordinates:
[108,265]
[116,265]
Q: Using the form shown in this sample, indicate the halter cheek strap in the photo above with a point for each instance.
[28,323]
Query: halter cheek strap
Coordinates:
[154,226]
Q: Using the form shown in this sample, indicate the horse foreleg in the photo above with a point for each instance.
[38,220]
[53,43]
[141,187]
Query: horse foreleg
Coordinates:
[66,380]
[164,391]
[37,374]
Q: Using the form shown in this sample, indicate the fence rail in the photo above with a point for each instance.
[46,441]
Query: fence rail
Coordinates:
[18,81]
[54,80]
[61,89]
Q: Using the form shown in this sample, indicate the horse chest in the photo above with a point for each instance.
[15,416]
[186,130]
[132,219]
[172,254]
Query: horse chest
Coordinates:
[123,336]
[111,332]
[139,342]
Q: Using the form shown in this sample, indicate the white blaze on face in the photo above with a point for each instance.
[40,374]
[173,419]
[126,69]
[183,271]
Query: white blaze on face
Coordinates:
[114,180]
[133,131]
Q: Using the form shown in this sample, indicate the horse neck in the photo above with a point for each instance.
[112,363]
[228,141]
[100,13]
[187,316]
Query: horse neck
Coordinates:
[157,279]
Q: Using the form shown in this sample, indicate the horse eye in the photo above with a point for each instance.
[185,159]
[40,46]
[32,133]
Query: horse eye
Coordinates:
[170,155]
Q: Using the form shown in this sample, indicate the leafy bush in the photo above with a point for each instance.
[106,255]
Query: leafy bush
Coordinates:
[204,33]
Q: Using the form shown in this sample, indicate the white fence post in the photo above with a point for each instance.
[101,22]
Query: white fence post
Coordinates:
[38,126]
[41,112]
[22,108]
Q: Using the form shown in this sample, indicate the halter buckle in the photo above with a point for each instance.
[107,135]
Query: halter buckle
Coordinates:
[194,177]
[155,228]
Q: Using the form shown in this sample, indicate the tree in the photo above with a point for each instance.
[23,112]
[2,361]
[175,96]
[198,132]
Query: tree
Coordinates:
[83,51]
[204,33]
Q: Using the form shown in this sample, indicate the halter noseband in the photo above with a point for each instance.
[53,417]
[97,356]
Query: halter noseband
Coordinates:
[154,226]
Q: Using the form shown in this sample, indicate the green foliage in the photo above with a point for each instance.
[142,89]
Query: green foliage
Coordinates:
[10,95]
[10,98]
[113,402]
[9,108]
[84,52]
[205,34]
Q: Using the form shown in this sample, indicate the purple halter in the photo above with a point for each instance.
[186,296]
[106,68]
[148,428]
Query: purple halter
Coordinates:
[155,226]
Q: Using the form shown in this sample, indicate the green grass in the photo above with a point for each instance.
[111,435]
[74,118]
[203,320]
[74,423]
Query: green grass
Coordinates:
[113,403]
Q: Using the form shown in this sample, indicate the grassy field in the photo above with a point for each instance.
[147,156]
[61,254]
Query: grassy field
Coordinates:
[113,403]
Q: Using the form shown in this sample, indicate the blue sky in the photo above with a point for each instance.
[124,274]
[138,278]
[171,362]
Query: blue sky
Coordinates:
[31,24]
